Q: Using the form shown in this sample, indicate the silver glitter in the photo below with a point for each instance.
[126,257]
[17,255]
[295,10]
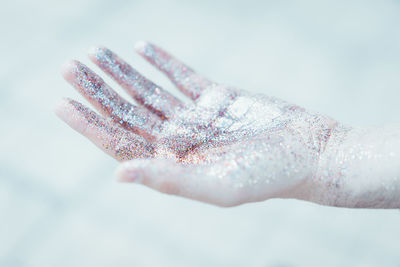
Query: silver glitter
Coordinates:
[229,146]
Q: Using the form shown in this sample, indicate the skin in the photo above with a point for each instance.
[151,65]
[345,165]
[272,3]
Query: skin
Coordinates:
[227,146]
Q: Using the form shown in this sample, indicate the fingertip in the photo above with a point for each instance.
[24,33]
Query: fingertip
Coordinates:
[94,52]
[68,69]
[140,46]
[94,49]
[71,112]
[64,110]
[61,106]
[120,173]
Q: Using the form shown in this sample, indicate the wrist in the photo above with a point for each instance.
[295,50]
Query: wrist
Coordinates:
[323,186]
[358,169]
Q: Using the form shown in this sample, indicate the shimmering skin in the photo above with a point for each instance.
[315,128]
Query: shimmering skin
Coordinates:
[229,146]
[360,169]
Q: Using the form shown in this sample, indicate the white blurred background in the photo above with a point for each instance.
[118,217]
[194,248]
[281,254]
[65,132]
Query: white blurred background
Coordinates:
[59,203]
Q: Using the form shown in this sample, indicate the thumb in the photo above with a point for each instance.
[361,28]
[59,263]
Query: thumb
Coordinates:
[170,177]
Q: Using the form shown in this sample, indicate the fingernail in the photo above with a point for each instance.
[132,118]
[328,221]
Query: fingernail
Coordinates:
[125,173]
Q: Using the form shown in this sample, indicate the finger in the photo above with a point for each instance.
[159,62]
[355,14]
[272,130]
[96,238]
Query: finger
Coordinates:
[110,137]
[108,102]
[174,178]
[189,82]
[141,89]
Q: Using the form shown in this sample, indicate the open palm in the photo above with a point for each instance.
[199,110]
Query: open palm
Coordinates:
[226,147]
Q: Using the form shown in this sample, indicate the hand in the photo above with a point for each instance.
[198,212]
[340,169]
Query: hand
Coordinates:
[226,147]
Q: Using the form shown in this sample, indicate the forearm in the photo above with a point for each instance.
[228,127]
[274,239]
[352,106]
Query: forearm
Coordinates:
[360,168]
